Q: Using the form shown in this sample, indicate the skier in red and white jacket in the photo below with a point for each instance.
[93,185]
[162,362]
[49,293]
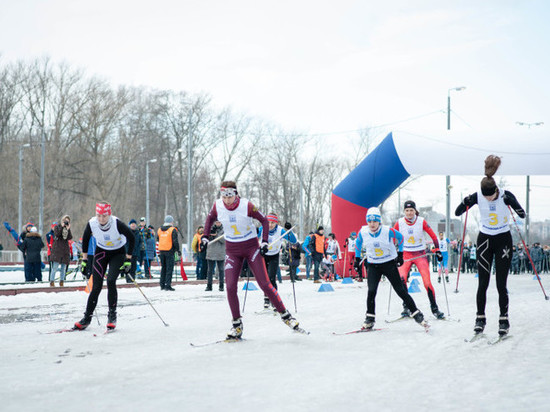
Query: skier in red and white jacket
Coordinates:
[412,227]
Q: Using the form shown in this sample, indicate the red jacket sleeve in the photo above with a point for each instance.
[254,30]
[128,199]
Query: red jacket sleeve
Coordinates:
[430,232]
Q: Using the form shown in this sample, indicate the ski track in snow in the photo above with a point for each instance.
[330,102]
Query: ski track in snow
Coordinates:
[146,366]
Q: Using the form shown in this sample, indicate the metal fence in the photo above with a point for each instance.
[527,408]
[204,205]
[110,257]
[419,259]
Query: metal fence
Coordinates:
[15,256]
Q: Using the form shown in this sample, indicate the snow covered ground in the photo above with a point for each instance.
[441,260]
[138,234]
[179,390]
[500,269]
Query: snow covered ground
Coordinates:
[146,366]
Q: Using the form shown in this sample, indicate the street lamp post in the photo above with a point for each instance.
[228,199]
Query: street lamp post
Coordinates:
[20,211]
[147,189]
[527,185]
[448,178]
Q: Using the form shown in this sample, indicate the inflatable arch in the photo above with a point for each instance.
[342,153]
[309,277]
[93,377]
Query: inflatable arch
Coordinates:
[403,154]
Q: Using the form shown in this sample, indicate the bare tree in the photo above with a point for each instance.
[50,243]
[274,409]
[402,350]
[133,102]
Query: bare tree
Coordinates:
[364,142]
[11,95]
[239,142]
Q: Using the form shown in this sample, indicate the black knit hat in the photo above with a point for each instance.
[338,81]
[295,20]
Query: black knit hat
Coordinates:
[409,204]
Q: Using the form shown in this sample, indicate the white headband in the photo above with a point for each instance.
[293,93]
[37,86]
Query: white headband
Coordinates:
[228,191]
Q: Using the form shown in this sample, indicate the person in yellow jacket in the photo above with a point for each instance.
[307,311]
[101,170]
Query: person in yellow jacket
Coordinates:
[169,248]
[199,254]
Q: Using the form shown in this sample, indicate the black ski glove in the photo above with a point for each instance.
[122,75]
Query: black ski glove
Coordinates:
[288,226]
[438,255]
[399,259]
[126,266]
[263,248]
[469,201]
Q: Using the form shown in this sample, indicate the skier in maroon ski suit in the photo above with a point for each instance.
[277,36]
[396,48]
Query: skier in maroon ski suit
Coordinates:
[236,216]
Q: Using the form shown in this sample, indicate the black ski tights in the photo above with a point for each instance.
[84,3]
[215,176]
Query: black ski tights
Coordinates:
[102,258]
[498,247]
[375,272]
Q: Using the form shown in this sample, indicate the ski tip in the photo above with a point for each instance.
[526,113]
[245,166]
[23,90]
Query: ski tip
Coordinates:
[499,339]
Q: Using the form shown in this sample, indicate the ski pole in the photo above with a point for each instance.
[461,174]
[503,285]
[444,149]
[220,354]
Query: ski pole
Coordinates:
[97,317]
[282,236]
[148,301]
[418,257]
[293,281]
[344,270]
[461,249]
[246,290]
[294,294]
[446,299]
[215,240]
[528,254]
[389,300]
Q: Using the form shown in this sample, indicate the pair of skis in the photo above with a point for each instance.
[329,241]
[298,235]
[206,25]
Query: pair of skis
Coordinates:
[424,324]
[447,319]
[267,311]
[479,336]
[352,332]
[74,329]
[201,345]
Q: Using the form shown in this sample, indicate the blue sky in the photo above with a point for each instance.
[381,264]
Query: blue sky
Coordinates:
[311,66]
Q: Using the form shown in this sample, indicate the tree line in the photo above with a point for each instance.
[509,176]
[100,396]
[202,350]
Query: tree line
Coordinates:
[99,138]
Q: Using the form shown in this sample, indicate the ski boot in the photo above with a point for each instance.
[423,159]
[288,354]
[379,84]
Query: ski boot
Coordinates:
[84,322]
[266,303]
[418,317]
[368,323]
[289,320]
[480,324]
[437,313]
[111,319]
[503,325]
[447,278]
[236,331]
[208,288]
[439,279]
[406,312]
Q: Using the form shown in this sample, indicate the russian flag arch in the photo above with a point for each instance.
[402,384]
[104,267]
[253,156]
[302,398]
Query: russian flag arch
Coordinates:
[402,154]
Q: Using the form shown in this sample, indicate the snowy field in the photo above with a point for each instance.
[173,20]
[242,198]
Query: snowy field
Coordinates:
[146,366]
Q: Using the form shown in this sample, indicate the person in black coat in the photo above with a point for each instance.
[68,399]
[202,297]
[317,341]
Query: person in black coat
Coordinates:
[294,253]
[135,252]
[32,246]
